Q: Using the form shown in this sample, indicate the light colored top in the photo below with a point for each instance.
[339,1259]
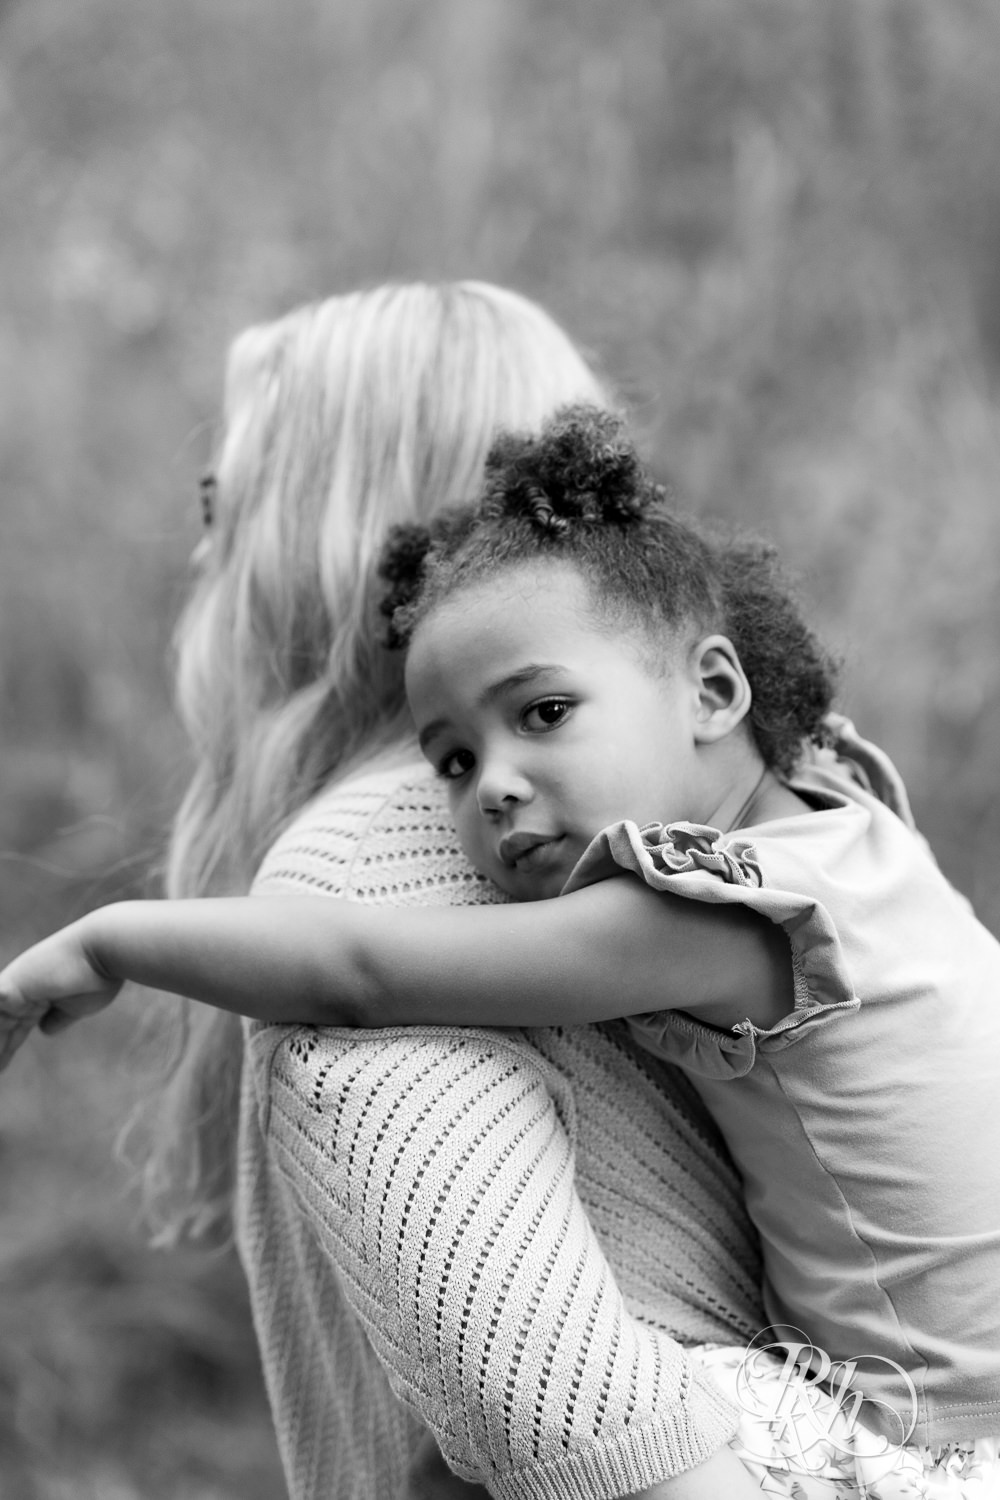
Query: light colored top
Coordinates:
[866,1123]
[426,1219]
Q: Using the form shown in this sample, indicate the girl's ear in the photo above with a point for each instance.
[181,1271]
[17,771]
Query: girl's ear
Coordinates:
[724,695]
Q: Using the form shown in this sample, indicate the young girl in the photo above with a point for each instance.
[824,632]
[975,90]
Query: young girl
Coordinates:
[580,661]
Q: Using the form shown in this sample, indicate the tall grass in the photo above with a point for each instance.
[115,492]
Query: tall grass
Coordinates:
[776,223]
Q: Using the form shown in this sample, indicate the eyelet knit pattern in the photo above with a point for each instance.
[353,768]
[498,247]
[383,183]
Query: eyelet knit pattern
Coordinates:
[427,1216]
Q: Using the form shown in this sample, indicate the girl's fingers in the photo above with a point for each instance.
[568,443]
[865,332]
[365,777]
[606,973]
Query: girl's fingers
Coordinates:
[49,986]
[58,1018]
[15,1005]
[18,1017]
[13,1033]
[56,974]
[55,1020]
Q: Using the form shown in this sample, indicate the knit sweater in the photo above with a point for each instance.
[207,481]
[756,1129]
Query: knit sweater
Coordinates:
[508,1236]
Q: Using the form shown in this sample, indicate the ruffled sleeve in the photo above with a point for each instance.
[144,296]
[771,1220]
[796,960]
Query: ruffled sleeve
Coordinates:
[702,864]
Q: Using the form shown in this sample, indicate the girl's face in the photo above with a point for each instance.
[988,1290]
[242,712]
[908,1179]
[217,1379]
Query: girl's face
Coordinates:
[547,727]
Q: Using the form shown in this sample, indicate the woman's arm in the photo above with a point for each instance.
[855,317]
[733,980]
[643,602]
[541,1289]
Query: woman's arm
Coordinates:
[611,949]
[435,1170]
[721,1477]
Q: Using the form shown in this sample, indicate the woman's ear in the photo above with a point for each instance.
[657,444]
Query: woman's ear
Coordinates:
[724,695]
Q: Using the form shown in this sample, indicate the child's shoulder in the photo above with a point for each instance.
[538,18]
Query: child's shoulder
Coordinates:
[849,764]
[857,850]
[843,832]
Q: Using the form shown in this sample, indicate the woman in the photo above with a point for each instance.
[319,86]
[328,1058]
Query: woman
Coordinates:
[418,1249]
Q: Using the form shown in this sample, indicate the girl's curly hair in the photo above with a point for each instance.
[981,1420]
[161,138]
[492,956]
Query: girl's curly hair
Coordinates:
[577,494]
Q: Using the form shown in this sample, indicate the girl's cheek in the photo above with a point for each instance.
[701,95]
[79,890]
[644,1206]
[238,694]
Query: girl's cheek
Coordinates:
[467,820]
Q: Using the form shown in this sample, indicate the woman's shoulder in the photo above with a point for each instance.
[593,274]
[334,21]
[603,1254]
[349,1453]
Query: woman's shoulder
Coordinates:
[409,787]
[383,836]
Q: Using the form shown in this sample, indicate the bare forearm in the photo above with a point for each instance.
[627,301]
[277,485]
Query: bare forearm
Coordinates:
[287,959]
[317,961]
[279,959]
[311,959]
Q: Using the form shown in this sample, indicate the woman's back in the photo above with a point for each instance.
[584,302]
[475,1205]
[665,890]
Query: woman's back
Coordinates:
[429,1167]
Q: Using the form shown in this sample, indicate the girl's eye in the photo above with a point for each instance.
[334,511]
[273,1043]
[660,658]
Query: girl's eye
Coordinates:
[546,714]
[455,764]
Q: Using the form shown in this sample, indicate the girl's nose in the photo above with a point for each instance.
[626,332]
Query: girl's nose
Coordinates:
[500,787]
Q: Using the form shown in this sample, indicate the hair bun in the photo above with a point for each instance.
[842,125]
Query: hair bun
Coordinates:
[402,567]
[540,512]
[583,468]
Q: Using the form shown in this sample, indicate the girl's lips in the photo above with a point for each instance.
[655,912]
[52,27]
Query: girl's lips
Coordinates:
[522,851]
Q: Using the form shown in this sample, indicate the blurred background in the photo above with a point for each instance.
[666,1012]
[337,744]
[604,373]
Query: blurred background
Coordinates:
[777,227]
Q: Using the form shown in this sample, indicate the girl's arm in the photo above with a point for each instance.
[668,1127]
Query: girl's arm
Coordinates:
[612,949]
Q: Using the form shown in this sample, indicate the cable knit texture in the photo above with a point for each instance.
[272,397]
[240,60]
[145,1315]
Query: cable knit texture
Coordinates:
[427,1217]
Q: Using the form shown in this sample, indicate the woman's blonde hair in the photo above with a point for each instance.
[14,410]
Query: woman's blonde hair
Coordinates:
[341,419]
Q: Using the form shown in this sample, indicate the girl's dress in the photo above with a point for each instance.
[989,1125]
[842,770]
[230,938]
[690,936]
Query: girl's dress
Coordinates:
[866,1127]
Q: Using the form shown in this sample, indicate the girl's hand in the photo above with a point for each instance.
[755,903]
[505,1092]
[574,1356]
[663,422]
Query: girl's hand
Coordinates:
[51,985]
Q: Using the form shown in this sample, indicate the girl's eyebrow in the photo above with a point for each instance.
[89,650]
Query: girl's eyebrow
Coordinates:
[523,675]
[495,690]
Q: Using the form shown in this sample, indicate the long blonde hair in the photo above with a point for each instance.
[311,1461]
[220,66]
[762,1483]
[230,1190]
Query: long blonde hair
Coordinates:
[342,419]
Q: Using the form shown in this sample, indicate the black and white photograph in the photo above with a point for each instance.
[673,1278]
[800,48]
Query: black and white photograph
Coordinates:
[499,750]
